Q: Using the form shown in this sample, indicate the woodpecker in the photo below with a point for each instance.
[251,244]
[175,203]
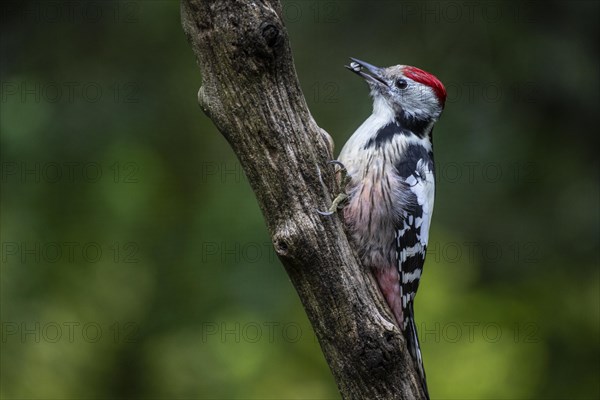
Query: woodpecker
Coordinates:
[390,184]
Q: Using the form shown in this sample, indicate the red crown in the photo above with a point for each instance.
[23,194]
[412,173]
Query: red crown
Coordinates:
[418,75]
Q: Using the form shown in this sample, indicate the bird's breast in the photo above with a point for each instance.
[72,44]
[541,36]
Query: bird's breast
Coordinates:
[373,210]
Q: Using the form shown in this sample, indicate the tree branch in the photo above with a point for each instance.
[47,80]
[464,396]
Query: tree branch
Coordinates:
[251,92]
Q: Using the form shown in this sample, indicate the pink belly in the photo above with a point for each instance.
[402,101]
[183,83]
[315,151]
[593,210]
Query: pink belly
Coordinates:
[389,284]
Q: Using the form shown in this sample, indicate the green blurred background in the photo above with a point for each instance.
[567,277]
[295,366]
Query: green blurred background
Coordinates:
[135,261]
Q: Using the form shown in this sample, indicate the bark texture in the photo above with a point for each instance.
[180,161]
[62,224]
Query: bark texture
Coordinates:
[251,92]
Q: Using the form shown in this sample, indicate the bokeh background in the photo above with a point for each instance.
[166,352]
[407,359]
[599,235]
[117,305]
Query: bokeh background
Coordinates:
[135,261]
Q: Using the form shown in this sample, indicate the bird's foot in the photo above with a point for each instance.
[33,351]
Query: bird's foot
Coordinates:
[338,202]
[345,176]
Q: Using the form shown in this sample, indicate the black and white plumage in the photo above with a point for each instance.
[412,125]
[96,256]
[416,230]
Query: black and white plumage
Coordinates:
[389,160]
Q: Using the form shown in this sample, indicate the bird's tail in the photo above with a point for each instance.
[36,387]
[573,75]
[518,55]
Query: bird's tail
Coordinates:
[412,340]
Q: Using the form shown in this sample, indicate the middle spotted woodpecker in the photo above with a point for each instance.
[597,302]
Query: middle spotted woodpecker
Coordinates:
[390,189]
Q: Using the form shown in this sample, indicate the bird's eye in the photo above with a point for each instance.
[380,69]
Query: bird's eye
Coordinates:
[401,83]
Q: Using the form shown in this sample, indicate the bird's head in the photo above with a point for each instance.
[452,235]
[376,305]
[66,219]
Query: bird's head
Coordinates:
[403,89]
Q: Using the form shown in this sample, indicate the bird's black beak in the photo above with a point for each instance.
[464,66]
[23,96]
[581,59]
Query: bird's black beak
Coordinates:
[372,74]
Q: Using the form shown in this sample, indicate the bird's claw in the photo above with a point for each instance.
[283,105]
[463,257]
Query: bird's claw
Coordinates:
[325,213]
[338,163]
[335,205]
[345,176]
